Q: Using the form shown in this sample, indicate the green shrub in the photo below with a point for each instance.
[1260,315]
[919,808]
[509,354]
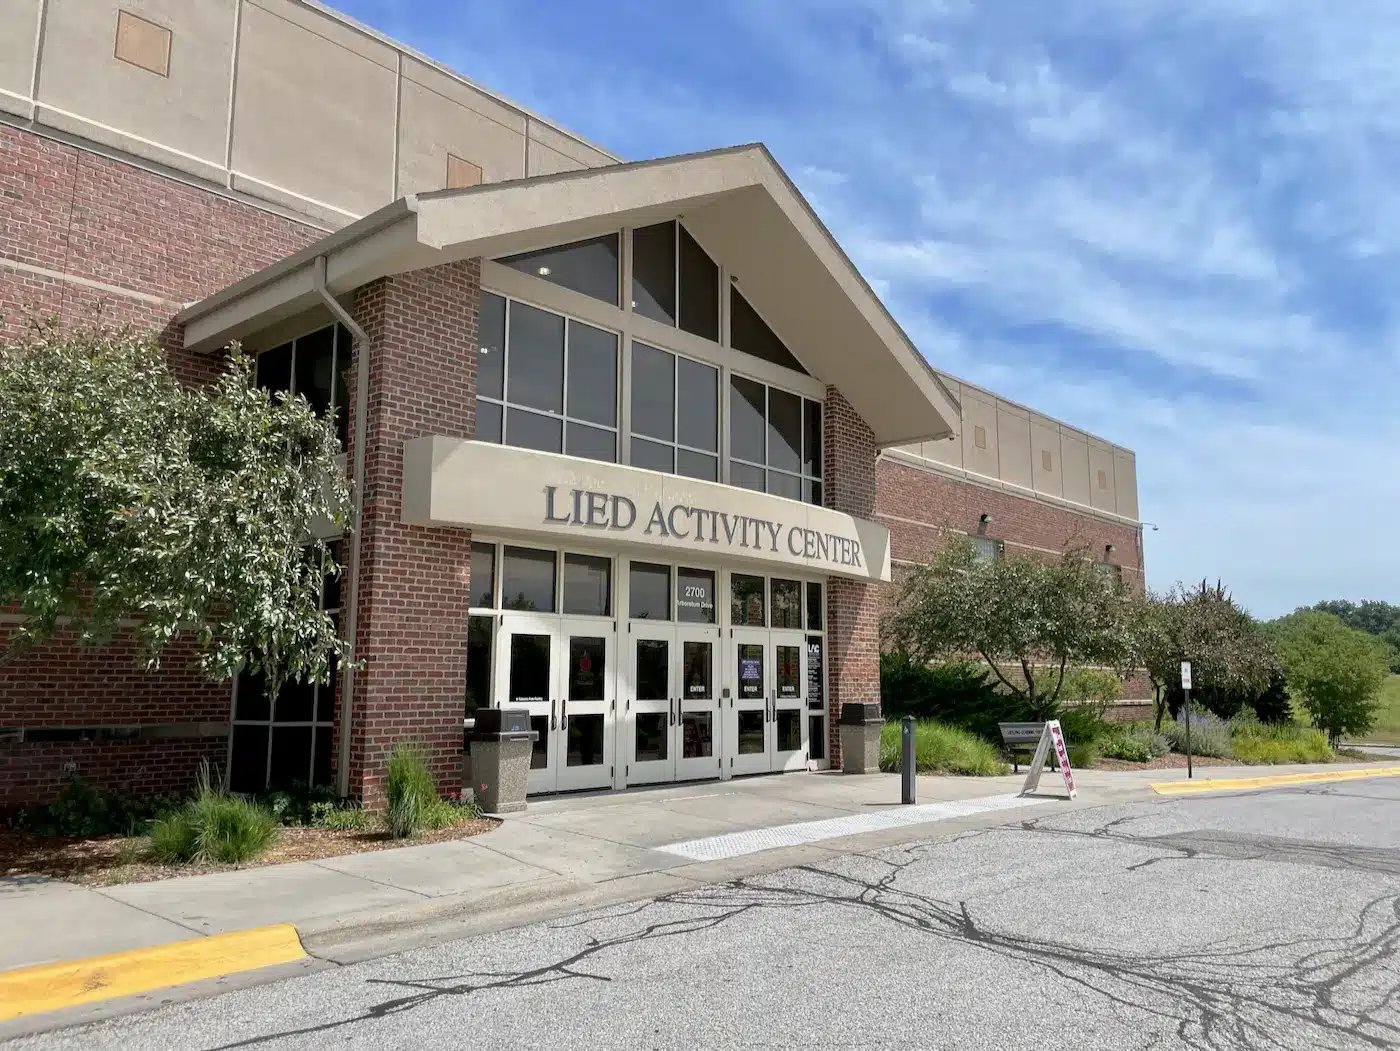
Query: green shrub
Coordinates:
[1084,686]
[213,827]
[1135,742]
[958,693]
[1258,743]
[344,819]
[942,749]
[1210,736]
[411,791]
[1083,724]
[445,813]
[1082,754]
[299,804]
[83,809]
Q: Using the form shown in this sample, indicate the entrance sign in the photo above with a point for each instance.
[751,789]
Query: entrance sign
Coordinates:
[1051,737]
[482,485]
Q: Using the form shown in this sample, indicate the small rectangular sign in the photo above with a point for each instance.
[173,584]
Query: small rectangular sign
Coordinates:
[1185,675]
[1051,737]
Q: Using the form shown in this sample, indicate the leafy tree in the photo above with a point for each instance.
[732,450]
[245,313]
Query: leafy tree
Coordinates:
[129,498]
[1337,670]
[1017,615]
[1381,619]
[1227,650]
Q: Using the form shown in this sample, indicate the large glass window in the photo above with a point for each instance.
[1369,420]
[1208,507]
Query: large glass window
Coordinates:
[986,549]
[663,257]
[695,596]
[649,591]
[746,600]
[590,266]
[484,575]
[314,367]
[527,580]
[675,414]
[588,585]
[545,381]
[750,334]
[480,644]
[774,441]
[786,603]
[699,290]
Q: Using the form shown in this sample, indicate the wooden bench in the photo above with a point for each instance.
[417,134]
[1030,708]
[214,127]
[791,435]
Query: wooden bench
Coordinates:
[1018,738]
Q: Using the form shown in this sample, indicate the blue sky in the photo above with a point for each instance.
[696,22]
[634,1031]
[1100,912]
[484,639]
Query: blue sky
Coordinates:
[1175,225]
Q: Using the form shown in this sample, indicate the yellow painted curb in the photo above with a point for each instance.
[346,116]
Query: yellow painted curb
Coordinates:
[1240,784]
[50,986]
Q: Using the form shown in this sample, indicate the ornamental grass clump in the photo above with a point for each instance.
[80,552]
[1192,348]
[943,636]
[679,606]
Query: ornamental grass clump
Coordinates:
[213,826]
[1134,742]
[412,792]
[1210,736]
[1262,744]
[942,749]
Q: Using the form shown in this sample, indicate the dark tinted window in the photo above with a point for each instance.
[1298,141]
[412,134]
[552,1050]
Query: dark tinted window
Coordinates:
[695,596]
[746,599]
[592,443]
[315,369]
[649,591]
[784,430]
[699,290]
[588,266]
[697,465]
[653,455]
[814,607]
[491,341]
[654,272]
[588,585]
[530,430]
[812,438]
[275,368]
[653,670]
[535,372]
[483,575]
[697,404]
[592,386]
[653,392]
[746,419]
[344,363]
[787,604]
[479,647]
[749,333]
[527,580]
[788,485]
[746,477]
[488,421]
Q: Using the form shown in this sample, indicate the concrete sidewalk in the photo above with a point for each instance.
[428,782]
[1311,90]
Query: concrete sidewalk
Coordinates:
[559,855]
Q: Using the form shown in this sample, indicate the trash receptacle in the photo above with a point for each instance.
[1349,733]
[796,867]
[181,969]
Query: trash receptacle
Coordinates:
[501,743]
[861,723]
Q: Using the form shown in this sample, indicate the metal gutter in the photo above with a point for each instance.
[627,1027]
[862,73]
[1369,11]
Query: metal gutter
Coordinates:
[357,474]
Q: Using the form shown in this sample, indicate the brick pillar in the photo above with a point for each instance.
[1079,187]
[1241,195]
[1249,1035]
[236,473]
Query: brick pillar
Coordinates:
[852,607]
[415,581]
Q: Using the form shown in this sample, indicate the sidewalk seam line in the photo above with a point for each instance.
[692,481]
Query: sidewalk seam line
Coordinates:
[368,879]
[155,915]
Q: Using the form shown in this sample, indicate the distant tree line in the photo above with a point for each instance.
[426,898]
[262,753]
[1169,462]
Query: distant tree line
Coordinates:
[1381,619]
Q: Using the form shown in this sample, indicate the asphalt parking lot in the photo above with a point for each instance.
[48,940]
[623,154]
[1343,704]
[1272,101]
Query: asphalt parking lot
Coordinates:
[1254,920]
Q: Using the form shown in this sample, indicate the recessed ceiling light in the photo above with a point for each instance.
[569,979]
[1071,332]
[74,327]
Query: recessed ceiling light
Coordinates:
[543,271]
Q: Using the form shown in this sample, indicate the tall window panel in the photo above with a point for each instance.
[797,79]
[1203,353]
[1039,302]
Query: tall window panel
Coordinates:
[545,381]
[313,366]
[674,281]
[589,267]
[675,414]
[774,441]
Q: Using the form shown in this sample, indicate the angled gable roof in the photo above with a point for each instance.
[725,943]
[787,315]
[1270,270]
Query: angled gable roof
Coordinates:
[738,202]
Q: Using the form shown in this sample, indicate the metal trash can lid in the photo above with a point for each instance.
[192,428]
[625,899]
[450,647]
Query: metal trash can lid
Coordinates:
[860,713]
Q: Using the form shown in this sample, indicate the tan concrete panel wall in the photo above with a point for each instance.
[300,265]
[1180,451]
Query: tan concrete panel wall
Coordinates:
[19,22]
[1045,438]
[1074,454]
[949,450]
[1103,489]
[314,111]
[579,154]
[547,161]
[1125,475]
[1014,444]
[439,115]
[979,412]
[179,119]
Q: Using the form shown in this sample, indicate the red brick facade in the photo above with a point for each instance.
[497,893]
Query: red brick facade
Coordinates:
[156,243]
[415,581]
[852,608]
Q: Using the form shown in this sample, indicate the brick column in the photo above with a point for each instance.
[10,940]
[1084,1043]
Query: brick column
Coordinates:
[852,607]
[415,581]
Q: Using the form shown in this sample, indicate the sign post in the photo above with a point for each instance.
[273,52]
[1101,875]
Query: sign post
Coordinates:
[1186,703]
[1051,737]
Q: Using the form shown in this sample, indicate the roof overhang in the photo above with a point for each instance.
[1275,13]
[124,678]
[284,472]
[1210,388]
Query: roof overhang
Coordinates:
[737,202]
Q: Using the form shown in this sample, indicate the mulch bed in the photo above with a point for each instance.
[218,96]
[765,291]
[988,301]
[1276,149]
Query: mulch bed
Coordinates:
[111,860]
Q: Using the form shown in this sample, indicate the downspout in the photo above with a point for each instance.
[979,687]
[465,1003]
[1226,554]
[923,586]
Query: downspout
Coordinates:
[352,615]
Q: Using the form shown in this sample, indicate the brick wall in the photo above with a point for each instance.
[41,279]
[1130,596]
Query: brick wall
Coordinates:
[415,581]
[852,607]
[157,243]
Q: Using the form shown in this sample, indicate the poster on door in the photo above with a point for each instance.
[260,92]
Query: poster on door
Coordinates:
[750,673]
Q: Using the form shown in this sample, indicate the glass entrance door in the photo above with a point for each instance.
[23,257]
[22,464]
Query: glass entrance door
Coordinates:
[747,730]
[650,704]
[697,704]
[789,705]
[527,674]
[584,752]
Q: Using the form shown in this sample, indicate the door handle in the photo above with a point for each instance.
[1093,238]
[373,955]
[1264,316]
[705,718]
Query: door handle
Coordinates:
[563,715]
[553,724]
[672,709]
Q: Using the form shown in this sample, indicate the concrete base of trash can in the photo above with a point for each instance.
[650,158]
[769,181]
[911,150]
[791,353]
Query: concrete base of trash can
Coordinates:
[500,771]
[860,747]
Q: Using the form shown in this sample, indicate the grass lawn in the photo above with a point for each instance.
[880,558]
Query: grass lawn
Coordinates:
[1387,728]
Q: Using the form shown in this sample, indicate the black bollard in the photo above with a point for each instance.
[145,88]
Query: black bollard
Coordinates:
[906,762]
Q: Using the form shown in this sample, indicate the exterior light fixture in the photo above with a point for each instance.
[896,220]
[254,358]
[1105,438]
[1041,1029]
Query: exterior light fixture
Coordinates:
[986,519]
[1108,549]
[543,271]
